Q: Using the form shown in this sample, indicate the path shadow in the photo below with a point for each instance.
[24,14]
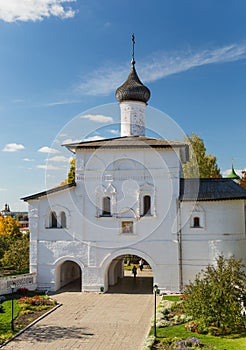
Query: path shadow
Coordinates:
[131,285]
[41,333]
[74,286]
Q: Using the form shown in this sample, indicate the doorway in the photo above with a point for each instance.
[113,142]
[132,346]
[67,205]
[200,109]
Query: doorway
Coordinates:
[121,278]
[69,276]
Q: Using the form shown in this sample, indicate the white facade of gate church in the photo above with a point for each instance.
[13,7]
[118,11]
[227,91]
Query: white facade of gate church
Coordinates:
[129,198]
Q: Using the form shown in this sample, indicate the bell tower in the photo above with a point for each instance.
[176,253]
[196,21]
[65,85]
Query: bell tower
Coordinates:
[133,96]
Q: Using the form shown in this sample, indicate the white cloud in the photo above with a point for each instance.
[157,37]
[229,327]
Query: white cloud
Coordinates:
[59,159]
[62,102]
[47,167]
[28,160]
[114,132]
[103,81]
[34,10]
[68,141]
[13,147]
[164,65]
[94,138]
[3,189]
[47,149]
[159,65]
[98,118]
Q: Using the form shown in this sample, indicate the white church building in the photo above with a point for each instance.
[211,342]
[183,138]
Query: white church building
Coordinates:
[129,197]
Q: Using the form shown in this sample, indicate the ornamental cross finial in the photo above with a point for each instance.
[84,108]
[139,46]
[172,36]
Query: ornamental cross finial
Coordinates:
[133,47]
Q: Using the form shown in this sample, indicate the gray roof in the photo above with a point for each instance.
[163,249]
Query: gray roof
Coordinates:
[45,193]
[126,142]
[210,190]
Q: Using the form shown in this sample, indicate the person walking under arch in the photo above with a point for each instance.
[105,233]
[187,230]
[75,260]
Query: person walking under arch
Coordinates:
[134,271]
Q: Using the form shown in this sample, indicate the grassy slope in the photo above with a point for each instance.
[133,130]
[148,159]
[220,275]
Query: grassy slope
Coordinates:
[232,342]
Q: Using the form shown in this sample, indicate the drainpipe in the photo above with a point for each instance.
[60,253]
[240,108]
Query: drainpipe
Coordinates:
[180,252]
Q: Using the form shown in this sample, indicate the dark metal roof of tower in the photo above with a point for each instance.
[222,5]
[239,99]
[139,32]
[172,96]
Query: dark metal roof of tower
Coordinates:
[133,89]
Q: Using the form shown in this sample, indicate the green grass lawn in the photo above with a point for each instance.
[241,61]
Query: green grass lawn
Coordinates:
[232,342]
[6,317]
[128,268]
[171,297]
[32,306]
[229,342]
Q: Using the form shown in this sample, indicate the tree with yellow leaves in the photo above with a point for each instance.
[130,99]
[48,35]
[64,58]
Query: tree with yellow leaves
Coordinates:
[9,227]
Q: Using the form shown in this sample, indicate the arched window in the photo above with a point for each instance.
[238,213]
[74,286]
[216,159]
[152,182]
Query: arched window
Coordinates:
[146,205]
[106,210]
[53,220]
[63,220]
[196,221]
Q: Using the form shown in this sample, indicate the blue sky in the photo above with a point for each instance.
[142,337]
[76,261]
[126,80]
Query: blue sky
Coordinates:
[60,59]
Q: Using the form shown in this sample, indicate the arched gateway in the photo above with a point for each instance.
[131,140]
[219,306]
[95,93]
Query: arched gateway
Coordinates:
[118,279]
[68,272]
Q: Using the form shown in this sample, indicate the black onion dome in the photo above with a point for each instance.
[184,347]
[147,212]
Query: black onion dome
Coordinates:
[133,89]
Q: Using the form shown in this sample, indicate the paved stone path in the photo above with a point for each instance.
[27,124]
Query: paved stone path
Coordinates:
[91,321]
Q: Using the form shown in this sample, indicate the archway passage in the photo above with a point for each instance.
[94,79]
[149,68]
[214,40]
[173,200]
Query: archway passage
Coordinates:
[69,277]
[121,277]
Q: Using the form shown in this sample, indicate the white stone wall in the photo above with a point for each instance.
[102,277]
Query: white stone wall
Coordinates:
[28,280]
[132,118]
[222,232]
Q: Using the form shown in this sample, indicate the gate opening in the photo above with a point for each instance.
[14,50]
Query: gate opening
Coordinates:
[122,279]
[69,277]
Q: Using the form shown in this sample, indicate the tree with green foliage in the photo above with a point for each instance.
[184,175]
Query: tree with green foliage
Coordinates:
[5,242]
[71,174]
[216,295]
[17,255]
[201,164]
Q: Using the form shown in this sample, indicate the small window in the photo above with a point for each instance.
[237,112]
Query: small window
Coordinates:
[53,219]
[106,210]
[146,205]
[196,221]
[63,220]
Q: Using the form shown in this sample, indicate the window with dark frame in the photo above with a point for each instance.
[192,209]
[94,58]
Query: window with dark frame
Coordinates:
[63,220]
[196,221]
[106,210]
[146,205]
[53,219]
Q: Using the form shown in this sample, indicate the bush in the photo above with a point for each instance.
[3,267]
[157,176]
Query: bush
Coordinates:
[216,296]
[170,313]
[199,327]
